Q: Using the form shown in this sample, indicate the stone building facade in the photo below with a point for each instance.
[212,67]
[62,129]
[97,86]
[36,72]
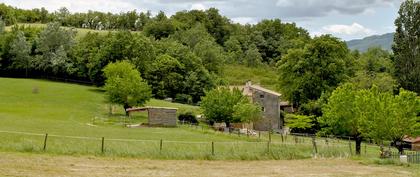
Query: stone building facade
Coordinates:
[158,116]
[162,116]
[270,105]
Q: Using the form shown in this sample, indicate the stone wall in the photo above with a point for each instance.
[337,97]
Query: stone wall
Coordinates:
[271,110]
[162,117]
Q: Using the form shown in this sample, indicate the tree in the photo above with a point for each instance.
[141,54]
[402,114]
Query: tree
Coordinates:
[341,116]
[299,122]
[252,57]
[124,85]
[407,45]
[246,111]
[211,54]
[304,74]
[218,104]
[371,113]
[53,45]
[375,67]
[388,117]
[2,26]
[20,49]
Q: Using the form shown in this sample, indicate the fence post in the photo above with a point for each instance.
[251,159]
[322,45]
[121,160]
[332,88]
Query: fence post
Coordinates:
[247,134]
[103,143]
[239,132]
[45,141]
[351,152]
[160,145]
[365,148]
[314,144]
[259,134]
[282,140]
[269,136]
[212,148]
[268,146]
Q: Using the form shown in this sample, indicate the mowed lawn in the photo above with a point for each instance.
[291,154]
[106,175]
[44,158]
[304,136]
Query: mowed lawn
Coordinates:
[75,110]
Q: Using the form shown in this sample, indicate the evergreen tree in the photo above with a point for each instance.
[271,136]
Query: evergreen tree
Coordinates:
[407,45]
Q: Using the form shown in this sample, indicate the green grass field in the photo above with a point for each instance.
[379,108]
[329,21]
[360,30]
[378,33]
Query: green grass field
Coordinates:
[76,117]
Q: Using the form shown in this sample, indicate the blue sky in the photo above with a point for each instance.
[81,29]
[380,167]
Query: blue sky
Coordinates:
[347,19]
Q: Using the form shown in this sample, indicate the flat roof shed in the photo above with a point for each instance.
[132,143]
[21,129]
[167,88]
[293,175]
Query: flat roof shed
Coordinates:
[158,116]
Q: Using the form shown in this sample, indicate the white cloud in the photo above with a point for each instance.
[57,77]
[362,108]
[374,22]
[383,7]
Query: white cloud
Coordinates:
[198,6]
[244,20]
[353,29]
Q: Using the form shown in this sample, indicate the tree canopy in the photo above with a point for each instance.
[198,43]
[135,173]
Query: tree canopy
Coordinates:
[304,74]
[124,85]
[370,113]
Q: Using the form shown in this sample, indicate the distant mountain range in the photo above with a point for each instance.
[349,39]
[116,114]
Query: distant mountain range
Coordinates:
[384,41]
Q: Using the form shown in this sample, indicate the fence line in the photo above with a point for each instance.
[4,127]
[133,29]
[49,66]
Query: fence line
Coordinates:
[315,145]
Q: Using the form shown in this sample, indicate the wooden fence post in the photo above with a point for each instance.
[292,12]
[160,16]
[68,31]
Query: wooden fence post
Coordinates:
[268,146]
[103,143]
[365,148]
[282,140]
[351,152]
[45,141]
[259,134]
[269,136]
[314,144]
[212,147]
[160,145]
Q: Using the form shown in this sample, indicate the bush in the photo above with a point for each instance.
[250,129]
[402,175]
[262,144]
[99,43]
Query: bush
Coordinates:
[188,117]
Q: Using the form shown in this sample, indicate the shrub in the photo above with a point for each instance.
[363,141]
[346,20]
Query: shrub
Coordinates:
[188,117]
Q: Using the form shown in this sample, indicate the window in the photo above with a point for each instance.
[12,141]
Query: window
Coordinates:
[261,96]
[263,109]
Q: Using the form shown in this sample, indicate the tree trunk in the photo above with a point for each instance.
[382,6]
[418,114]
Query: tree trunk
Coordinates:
[125,109]
[358,140]
[399,145]
[227,124]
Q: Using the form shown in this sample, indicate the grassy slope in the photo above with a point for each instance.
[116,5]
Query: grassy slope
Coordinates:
[61,108]
[239,74]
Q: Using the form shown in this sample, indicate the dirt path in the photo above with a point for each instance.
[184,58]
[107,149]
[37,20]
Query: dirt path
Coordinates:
[17,164]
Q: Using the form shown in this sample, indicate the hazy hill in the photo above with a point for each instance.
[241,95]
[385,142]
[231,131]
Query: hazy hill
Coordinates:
[384,41]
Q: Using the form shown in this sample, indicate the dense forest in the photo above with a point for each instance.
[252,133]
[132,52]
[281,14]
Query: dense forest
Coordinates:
[179,56]
[183,55]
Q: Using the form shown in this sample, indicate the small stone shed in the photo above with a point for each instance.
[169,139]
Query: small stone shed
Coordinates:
[158,116]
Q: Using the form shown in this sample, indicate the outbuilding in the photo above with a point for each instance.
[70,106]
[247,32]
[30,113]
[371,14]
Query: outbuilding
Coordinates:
[158,116]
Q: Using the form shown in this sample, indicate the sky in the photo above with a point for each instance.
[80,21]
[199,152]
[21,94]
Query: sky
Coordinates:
[346,19]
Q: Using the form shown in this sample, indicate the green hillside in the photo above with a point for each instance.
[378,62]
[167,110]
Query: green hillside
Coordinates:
[239,74]
[60,108]
[384,41]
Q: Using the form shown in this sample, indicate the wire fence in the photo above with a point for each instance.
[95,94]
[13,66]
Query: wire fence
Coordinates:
[264,145]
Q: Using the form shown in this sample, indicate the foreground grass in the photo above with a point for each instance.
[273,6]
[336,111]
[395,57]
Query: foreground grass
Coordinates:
[22,164]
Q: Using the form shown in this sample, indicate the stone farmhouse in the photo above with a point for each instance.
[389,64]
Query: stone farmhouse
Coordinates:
[271,104]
